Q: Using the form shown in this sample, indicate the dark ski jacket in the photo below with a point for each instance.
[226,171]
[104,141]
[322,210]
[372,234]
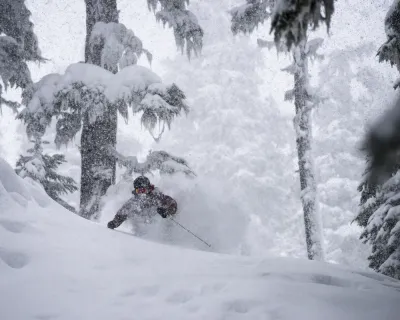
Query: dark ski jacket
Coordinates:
[144,206]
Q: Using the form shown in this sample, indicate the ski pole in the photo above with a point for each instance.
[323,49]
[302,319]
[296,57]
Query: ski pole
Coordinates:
[190,232]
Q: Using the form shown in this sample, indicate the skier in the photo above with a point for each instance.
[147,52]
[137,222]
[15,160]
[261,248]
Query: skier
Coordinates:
[146,200]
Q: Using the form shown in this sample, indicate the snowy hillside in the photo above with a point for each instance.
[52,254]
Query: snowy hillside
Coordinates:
[56,265]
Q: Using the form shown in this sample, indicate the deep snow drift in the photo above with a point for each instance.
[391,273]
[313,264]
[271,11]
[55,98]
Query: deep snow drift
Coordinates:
[55,265]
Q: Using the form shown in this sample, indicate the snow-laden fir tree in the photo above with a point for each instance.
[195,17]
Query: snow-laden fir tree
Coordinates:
[18,45]
[290,19]
[42,168]
[86,92]
[379,206]
[382,229]
[187,31]
[246,18]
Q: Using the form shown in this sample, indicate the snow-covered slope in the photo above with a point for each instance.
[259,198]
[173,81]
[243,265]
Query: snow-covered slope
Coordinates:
[55,265]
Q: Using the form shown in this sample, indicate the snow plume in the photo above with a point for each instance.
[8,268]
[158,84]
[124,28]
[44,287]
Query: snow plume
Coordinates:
[237,142]
[352,80]
[89,90]
[120,45]
[204,208]
[187,30]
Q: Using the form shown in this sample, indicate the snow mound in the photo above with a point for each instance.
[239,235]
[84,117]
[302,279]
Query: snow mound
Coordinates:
[55,265]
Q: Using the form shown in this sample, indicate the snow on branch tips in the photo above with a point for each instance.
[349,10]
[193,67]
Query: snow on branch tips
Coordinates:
[118,45]
[15,24]
[160,105]
[247,17]
[86,90]
[162,161]
[187,30]
[390,51]
[18,45]
[291,18]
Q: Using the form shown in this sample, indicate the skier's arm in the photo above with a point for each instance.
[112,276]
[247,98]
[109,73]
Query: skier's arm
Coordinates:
[168,206]
[121,216]
[172,206]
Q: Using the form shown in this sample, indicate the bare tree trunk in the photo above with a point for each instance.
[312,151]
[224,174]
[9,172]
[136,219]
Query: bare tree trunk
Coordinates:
[302,123]
[96,162]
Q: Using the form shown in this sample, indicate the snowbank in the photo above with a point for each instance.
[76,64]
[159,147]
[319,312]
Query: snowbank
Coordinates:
[55,265]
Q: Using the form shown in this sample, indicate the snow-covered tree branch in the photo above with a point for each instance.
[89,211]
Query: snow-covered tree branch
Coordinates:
[18,45]
[120,46]
[88,90]
[160,161]
[247,17]
[43,169]
[382,229]
[390,50]
[187,31]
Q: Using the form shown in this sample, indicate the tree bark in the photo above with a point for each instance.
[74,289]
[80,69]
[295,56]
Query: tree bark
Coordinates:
[96,136]
[308,185]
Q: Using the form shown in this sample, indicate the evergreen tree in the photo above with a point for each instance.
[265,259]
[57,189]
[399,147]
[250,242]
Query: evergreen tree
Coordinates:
[382,229]
[379,206]
[86,93]
[246,18]
[18,45]
[43,169]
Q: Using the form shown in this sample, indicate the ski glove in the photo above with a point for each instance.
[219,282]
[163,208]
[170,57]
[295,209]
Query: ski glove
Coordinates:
[111,225]
[162,212]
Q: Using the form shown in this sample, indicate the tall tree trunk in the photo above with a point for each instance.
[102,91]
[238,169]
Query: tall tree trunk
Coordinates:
[303,130]
[98,167]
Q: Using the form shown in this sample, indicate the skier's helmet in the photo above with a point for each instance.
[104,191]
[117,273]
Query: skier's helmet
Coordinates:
[141,182]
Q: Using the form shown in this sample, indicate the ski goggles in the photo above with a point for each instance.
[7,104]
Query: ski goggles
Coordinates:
[144,190]
[141,190]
